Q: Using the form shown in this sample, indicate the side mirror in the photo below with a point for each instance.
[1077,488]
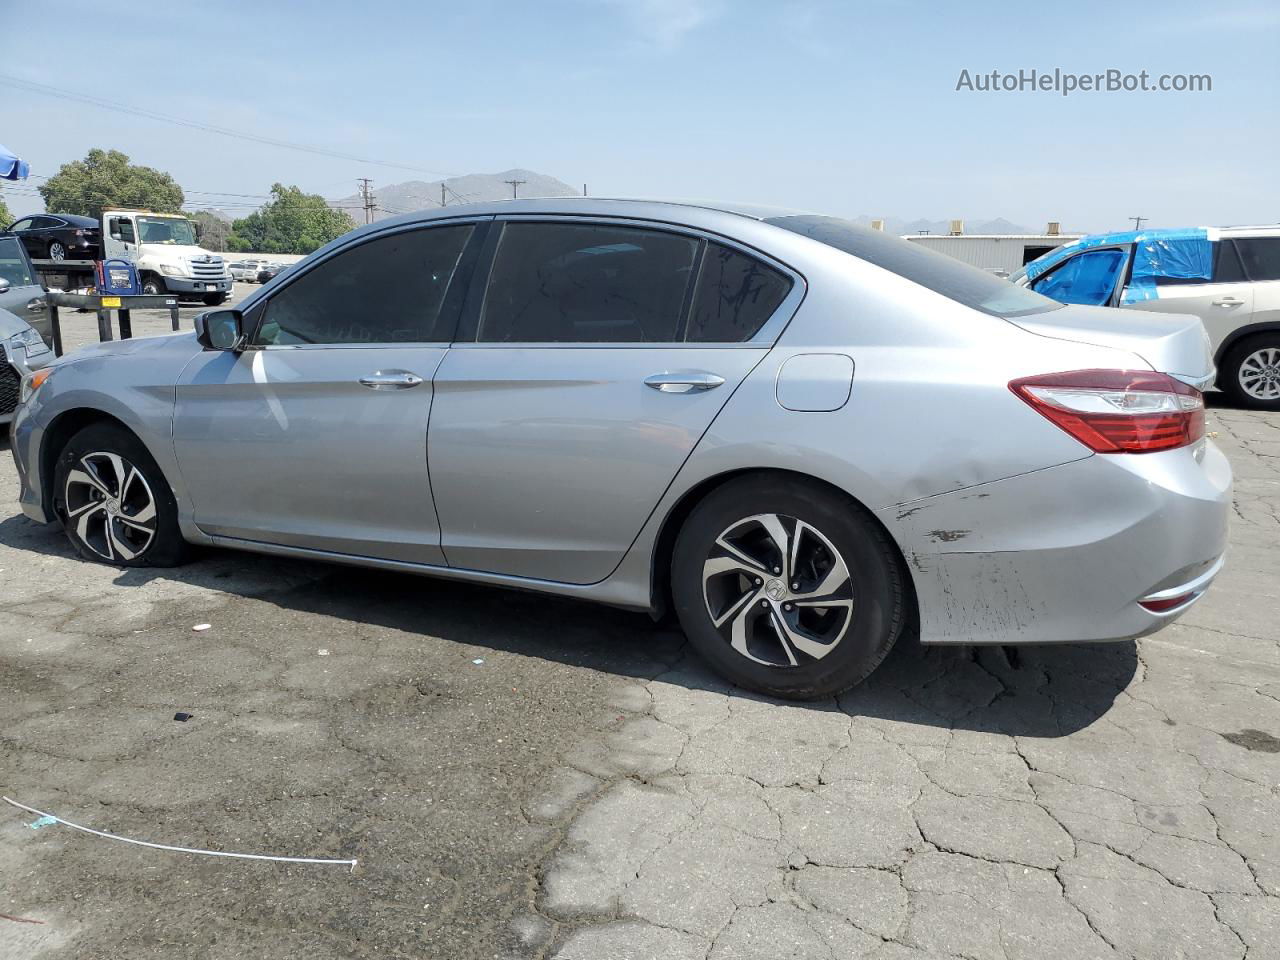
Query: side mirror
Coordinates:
[220,330]
[4,285]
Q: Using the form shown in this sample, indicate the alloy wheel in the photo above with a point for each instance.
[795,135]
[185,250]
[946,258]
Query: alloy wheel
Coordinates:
[777,590]
[57,251]
[1260,374]
[111,506]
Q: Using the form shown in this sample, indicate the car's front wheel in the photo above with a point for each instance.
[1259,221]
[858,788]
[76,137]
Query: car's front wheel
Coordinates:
[786,587]
[152,286]
[115,504]
[214,299]
[1251,371]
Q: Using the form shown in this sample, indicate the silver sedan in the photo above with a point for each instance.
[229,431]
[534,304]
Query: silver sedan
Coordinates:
[803,437]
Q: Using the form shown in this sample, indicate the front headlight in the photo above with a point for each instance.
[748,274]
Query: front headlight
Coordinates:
[173,269]
[30,341]
[32,382]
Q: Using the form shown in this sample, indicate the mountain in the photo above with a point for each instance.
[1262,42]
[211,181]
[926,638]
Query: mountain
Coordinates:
[416,195]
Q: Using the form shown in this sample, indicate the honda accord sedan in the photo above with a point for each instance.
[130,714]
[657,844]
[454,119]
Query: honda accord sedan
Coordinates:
[803,437]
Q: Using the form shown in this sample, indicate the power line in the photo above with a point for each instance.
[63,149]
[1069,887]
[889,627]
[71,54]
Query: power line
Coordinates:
[45,89]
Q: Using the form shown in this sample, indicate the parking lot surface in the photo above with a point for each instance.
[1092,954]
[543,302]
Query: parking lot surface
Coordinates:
[524,777]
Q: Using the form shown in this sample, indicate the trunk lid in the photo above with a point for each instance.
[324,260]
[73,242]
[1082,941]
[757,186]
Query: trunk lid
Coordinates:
[1171,343]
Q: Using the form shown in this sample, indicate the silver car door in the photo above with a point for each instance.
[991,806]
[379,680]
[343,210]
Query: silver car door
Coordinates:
[557,429]
[316,435]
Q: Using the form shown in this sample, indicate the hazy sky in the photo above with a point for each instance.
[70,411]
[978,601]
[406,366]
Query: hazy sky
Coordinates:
[847,108]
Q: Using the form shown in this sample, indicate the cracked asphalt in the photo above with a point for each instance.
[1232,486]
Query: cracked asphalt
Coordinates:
[589,792]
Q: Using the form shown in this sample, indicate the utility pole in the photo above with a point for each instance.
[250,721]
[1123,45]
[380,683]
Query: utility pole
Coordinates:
[1138,221]
[514,186]
[584,189]
[367,196]
[442,200]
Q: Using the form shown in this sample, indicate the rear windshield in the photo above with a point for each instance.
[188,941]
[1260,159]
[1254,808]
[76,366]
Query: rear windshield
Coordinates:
[937,272]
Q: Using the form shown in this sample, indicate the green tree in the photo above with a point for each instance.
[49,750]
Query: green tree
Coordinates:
[293,222]
[106,178]
[213,231]
[6,217]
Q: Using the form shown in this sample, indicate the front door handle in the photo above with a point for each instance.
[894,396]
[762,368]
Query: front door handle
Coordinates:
[390,380]
[1228,302]
[694,382]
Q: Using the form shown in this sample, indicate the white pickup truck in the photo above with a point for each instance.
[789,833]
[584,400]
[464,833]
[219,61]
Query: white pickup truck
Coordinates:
[168,258]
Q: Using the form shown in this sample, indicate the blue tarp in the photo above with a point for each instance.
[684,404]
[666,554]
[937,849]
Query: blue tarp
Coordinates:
[1089,278]
[11,168]
[1184,253]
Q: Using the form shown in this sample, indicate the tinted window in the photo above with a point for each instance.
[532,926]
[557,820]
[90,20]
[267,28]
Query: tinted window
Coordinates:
[388,290]
[1226,268]
[586,283]
[735,295]
[1086,278]
[952,279]
[1261,256]
[13,265]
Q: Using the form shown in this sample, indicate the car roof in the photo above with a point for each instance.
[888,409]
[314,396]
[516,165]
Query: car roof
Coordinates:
[640,207]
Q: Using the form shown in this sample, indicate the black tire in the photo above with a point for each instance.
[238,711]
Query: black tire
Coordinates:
[876,586]
[215,299]
[57,251]
[1233,362]
[84,455]
[152,285]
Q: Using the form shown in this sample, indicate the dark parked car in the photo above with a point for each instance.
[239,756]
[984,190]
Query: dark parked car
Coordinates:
[268,271]
[60,236]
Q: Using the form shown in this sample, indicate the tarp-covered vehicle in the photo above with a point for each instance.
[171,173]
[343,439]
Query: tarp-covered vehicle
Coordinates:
[1227,276]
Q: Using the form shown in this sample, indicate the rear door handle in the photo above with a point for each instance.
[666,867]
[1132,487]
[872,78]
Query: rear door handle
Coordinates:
[695,382]
[391,380]
[1228,302]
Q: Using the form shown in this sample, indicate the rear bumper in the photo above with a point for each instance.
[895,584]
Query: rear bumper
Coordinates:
[1066,554]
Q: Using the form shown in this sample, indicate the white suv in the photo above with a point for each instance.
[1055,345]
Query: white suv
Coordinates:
[1227,276]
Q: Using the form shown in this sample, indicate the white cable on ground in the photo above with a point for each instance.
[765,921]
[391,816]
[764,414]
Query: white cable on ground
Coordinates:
[163,846]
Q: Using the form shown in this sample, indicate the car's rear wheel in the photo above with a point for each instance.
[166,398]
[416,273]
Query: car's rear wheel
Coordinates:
[787,587]
[57,251]
[116,505]
[1251,371]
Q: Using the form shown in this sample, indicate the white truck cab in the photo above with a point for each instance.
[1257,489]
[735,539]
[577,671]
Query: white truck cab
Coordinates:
[163,248]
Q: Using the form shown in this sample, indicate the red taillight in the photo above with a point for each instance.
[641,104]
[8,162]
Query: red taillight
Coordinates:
[1118,411]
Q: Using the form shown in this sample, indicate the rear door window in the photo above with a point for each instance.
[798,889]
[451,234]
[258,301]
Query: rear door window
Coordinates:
[1226,268]
[587,283]
[1261,257]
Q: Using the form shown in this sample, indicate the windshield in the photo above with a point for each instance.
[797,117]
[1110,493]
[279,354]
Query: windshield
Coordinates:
[935,271]
[13,265]
[166,230]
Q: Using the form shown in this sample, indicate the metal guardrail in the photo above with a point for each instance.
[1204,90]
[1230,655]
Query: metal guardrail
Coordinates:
[104,304]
